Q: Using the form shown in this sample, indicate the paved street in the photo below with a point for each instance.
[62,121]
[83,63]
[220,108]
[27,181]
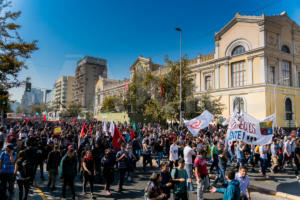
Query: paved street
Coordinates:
[134,190]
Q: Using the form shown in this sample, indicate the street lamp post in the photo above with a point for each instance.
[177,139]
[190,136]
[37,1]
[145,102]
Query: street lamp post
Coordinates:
[180,84]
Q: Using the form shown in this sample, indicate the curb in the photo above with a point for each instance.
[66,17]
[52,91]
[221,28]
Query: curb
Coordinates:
[267,191]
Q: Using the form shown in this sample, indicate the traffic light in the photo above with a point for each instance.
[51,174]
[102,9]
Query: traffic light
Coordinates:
[3,98]
[182,106]
[28,87]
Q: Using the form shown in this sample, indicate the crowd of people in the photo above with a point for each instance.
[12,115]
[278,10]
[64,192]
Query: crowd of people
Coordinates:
[185,161]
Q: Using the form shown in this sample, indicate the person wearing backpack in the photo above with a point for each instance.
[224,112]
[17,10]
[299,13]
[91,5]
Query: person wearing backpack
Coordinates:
[153,191]
[180,180]
[7,167]
[108,161]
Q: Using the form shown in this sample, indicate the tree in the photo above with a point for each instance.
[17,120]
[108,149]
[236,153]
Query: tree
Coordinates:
[73,110]
[170,88]
[14,50]
[109,104]
[212,104]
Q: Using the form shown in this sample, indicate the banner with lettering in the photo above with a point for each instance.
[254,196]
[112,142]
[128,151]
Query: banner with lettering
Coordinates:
[200,122]
[244,127]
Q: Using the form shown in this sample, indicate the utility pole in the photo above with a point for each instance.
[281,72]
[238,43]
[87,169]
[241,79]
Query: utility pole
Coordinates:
[180,84]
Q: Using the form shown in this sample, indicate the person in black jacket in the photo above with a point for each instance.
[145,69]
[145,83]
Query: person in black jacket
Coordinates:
[68,171]
[52,166]
[89,171]
[22,176]
[108,162]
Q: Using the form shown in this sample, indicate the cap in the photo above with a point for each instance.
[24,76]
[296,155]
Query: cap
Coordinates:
[10,146]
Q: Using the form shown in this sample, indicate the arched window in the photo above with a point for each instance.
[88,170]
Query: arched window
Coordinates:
[288,109]
[238,50]
[238,104]
[285,49]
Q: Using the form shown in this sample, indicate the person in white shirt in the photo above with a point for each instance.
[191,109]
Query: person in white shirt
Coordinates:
[263,150]
[244,181]
[173,155]
[188,153]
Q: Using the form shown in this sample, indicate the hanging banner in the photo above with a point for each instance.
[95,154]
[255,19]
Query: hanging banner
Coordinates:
[200,122]
[244,127]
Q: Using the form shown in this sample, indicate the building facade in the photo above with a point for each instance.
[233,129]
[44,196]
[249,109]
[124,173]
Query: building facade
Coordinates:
[63,92]
[255,68]
[86,76]
[34,97]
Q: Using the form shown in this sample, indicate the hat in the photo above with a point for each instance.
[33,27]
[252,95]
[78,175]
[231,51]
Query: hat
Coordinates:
[10,146]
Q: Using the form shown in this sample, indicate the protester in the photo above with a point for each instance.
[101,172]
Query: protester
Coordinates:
[173,155]
[108,162]
[232,191]
[52,166]
[166,180]
[89,171]
[201,173]
[7,166]
[188,158]
[153,190]
[122,158]
[68,171]
[244,181]
[180,180]
[23,180]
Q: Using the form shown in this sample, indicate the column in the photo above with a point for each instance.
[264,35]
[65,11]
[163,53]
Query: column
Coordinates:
[250,70]
[263,67]
[217,77]
[226,75]
[294,78]
[279,80]
[199,81]
[262,34]
[216,56]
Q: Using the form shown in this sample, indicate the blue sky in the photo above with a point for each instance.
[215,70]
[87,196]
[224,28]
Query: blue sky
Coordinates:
[121,30]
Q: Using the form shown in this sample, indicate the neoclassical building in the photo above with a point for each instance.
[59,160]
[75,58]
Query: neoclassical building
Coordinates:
[255,68]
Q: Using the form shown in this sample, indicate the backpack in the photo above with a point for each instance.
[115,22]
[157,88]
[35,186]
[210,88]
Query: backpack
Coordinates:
[146,190]
[175,177]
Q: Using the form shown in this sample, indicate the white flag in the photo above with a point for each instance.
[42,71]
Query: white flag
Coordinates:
[105,127]
[112,128]
[200,122]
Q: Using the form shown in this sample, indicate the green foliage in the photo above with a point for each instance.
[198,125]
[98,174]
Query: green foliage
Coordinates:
[14,50]
[212,104]
[109,104]
[73,110]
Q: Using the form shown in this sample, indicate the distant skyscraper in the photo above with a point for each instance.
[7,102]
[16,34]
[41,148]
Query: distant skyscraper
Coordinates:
[34,97]
[86,76]
[63,92]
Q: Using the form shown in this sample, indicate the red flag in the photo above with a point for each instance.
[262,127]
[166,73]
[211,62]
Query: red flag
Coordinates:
[83,130]
[132,134]
[45,118]
[90,129]
[74,120]
[117,139]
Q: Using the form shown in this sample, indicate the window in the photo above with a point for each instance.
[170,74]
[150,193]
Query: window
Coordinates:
[288,109]
[286,73]
[238,104]
[238,50]
[238,74]
[271,74]
[208,82]
[285,49]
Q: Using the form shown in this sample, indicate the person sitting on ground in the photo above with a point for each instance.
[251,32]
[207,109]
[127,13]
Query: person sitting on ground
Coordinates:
[232,192]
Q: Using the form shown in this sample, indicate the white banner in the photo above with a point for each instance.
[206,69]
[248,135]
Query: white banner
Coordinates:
[200,122]
[246,128]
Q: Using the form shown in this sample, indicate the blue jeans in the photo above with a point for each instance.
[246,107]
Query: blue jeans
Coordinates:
[231,156]
[221,175]
[159,157]
[189,171]
[263,165]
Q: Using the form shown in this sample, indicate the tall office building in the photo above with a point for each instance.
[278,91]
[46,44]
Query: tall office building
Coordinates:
[86,76]
[34,97]
[63,92]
